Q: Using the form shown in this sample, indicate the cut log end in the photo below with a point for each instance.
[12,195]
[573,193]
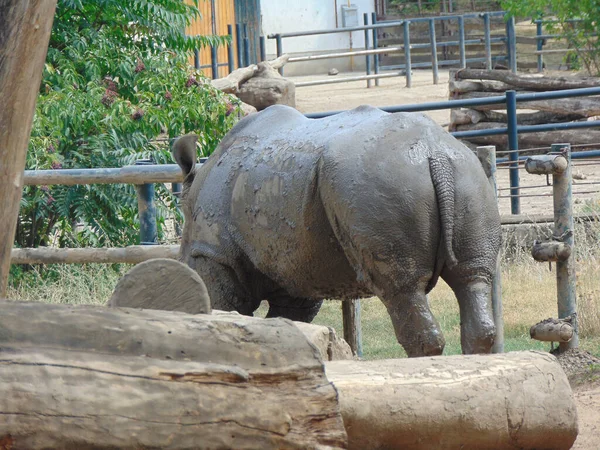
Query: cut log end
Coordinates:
[552,330]
[164,284]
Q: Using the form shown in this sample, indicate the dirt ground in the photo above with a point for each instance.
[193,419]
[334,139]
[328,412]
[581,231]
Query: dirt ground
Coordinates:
[393,91]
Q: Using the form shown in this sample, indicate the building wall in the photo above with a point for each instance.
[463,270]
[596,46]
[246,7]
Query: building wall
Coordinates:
[281,16]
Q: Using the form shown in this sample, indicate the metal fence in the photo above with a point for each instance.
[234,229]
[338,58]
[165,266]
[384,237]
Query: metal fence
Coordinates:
[372,51]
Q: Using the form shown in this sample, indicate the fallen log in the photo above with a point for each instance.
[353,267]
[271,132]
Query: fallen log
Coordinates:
[531,82]
[461,87]
[514,400]
[586,106]
[231,83]
[531,140]
[98,378]
[278,63]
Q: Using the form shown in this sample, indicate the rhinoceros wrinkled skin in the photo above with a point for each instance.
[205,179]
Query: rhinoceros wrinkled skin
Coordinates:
[295,210]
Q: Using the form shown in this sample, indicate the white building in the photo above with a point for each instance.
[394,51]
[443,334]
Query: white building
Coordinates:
[286,16]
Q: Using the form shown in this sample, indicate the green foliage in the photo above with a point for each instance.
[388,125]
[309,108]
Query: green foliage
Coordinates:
[576,20]
[116,86]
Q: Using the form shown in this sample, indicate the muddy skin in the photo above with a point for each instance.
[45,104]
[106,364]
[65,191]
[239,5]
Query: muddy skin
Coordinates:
[363,203]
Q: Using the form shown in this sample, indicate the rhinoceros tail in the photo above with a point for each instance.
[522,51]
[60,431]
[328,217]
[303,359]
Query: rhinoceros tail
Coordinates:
[442,176]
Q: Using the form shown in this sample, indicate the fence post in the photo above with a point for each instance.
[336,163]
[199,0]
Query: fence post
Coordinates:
[246,46]
[176,189]
[352,325]
[511,44]
[367,46]
[487,157]
[263,49]
[146,208]
[230,57]
[407,61]
[240,43]
[488,41]
[461,42]
[434,56]
[214,62]
[197,59]
[375,46]
[279,50]
[540,45]
[513,144]
[563,229]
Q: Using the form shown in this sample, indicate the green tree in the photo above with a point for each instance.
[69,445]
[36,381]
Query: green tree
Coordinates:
[117,85]
[576,20]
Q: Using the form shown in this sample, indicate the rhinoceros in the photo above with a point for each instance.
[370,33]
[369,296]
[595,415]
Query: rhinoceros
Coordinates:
[294,210]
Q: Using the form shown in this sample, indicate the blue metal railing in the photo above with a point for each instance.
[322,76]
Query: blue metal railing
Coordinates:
[510,99]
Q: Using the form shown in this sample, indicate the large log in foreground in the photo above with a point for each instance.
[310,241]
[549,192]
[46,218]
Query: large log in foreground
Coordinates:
[532,82]
[92,377]
[506,401]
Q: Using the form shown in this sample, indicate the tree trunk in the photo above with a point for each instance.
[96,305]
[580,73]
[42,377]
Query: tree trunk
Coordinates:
[92,377]
[535,83]
[505,401]
[530,140]
[469,116]
[24,33]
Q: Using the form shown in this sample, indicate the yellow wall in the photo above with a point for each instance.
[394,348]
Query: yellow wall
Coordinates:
[224,15]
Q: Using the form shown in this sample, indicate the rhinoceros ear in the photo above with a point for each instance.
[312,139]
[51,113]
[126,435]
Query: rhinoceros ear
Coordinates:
[184,152]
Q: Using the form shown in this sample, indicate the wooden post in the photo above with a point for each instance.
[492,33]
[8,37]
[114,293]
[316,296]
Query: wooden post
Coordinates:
[487,157]
[24,33]
[563,229]
[352,326]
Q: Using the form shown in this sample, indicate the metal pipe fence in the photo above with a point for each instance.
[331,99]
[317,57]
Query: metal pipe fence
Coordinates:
[372,54]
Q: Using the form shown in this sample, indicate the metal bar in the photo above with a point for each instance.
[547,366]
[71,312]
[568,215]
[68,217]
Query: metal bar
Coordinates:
[488,41]
[279,50]
[511,44]
[196,59]
[443,63]
[263,49]
[214,62]
[407,60]
[461,42]
[345,54]
[540,47]
[375,47]
[343,80]
[513,144]
[335,30]
[367,57]
[434,55]
[246,46]
[487,157]
[240,44]
[352,325]
[146,209]
[230,55]
[563,227]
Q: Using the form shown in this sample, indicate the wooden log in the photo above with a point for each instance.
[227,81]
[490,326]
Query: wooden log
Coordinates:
[163,284]
[505,401]
[550,251]
[587,106]
[231,83]
[129,379]
[546,164]
[461,87]
[133,254]
[552,330]
[278,63]
[529,140]
[24,32]
[531,82]
[468,116]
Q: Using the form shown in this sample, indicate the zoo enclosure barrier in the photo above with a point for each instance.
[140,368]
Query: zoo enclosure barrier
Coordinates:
[171,173]
[372,53]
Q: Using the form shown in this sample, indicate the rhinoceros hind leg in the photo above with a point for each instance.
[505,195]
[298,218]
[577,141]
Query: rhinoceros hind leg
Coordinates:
[224,289]
[417,330]
[298,309]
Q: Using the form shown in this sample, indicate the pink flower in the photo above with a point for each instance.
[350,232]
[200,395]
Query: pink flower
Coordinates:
[56,165]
